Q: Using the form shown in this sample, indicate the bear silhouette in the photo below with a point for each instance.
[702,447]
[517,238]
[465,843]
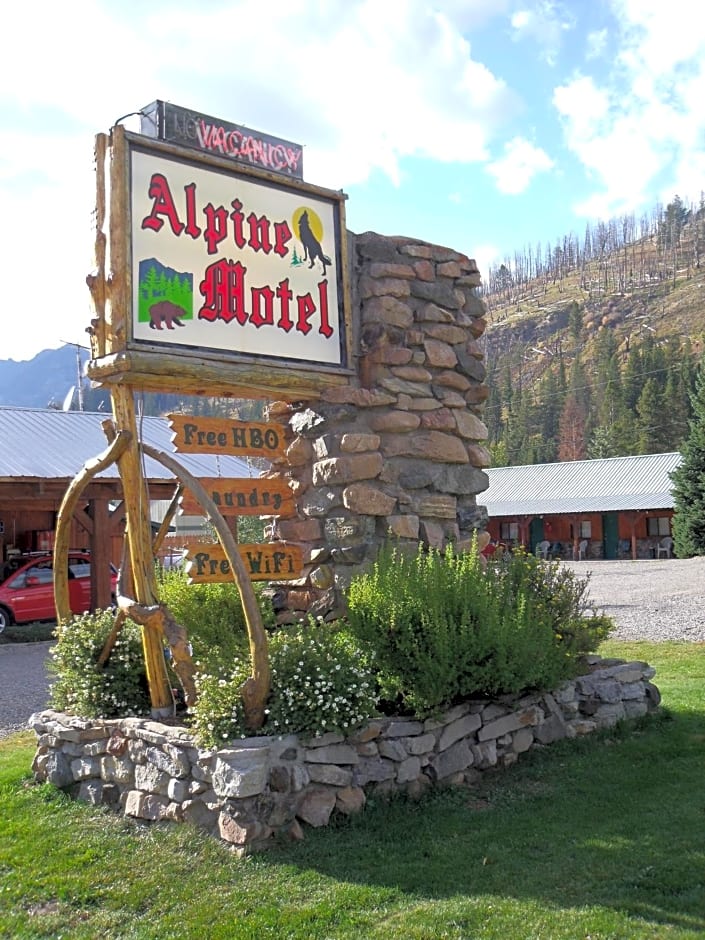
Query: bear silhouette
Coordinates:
[164,312]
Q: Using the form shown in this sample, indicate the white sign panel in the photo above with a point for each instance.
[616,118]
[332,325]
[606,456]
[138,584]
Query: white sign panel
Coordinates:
[225,262]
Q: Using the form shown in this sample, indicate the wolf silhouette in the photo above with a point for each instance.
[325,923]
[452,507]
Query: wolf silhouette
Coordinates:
[165,312]
[312,246]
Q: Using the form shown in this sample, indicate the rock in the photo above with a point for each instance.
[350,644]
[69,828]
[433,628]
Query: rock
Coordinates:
[316,807]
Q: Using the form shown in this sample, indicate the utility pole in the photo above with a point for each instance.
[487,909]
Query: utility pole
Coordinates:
[79,370]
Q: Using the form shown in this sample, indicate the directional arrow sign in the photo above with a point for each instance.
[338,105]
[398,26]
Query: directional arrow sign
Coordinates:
[249,496]
[281,561]
[196,435]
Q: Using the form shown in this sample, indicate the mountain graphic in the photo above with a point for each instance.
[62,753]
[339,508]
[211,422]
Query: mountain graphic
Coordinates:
[157,283]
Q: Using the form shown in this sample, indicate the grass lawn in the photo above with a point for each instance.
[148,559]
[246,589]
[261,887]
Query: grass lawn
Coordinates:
[28,632]
[586,840]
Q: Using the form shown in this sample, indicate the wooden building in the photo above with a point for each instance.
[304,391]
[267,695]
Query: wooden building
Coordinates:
[618,507]
[43,450]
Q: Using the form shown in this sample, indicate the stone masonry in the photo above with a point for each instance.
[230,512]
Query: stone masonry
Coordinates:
[265,787]
[400,449]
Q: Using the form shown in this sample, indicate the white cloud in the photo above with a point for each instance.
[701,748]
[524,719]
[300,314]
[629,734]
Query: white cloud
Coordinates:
[361,84]
[595,43]
[583,105]
[545,23]
[643,124]
[522,160]
[486,255]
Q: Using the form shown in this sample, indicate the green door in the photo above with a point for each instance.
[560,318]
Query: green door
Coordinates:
[535,534]
[609,536]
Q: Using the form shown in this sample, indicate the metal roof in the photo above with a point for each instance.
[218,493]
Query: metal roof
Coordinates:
[37,443]
[608,485]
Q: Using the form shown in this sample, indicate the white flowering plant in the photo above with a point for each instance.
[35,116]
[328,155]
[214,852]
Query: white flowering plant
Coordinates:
[81,687]
[322,680]
[218,715]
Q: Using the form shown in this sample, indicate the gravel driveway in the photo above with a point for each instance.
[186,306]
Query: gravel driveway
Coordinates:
[655,600]
[24,683]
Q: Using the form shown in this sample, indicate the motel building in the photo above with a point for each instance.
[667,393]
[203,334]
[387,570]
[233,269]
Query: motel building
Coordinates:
[618,507]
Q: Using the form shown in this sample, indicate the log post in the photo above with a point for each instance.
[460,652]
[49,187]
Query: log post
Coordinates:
[139,540]
[63,524]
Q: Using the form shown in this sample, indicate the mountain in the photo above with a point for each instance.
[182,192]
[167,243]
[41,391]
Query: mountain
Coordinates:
[592,345]
[52,378]
[43,381]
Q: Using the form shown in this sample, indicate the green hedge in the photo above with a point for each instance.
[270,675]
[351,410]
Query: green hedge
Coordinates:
[443,627]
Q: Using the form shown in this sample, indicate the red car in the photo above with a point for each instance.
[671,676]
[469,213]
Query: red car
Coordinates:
[27,591]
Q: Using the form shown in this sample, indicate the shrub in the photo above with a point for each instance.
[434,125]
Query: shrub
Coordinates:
[82,688]
[219,715]
[321,681]
[213,617]
[561,598]
[442,628]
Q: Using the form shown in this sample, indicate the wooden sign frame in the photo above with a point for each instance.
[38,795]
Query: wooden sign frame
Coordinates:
[162,361]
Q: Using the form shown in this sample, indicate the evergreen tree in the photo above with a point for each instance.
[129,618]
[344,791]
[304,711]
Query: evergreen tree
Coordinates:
[549,407]
[603,443]
[689,481]
[651,410]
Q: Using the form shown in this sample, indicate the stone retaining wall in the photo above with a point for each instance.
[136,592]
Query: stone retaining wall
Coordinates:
[263,787]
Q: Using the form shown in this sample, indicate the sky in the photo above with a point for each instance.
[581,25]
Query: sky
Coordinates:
[481,125]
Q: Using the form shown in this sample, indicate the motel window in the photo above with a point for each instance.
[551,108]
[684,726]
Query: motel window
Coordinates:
[658,525]
[509,531]
[585,529]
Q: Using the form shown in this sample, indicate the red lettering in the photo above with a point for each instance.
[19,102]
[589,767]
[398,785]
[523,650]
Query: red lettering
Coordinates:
[276,156]
[219,139]
[258,151]
[259,233]
[292,157]
[238,218]
[216,226]
[306,308]
[163,205]
[325,329]
[205,134]
[253,231]
[257,318]
[191,228]
[285,296]
[282,234]
[223,290]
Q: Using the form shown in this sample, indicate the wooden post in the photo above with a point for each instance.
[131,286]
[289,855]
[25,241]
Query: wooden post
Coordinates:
[139,540]
[100,554]
[139,534]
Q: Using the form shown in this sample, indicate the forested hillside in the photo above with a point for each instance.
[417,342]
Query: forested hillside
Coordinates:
[593,344]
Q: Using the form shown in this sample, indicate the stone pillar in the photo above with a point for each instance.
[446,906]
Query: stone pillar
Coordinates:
[400,450]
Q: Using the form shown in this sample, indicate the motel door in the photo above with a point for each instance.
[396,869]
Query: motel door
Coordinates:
[535,534]
[610,536]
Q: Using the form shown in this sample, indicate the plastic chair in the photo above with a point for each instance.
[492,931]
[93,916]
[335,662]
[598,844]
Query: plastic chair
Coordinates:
[582,548]
[664,547]
[542,549]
